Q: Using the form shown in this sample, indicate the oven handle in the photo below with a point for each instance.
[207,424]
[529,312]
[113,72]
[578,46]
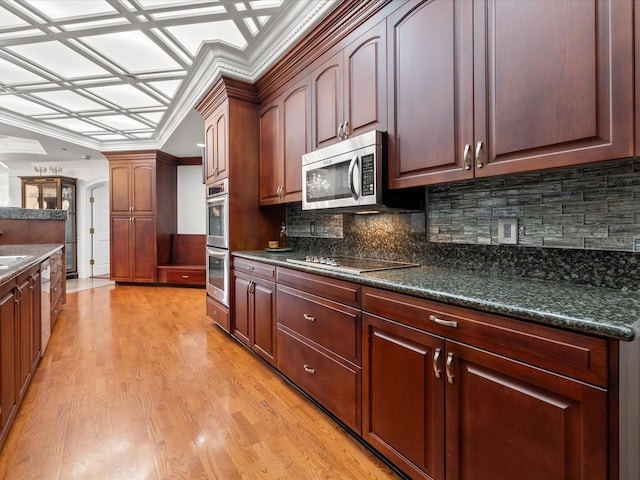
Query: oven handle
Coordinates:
[352,185]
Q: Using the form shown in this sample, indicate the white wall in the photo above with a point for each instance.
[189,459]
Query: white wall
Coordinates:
[191,200]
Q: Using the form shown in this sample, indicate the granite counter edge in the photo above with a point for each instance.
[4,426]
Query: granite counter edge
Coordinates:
[626,333]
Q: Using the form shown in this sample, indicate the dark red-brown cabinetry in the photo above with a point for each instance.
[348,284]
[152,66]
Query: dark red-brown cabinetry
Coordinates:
[490,88]
[348,90]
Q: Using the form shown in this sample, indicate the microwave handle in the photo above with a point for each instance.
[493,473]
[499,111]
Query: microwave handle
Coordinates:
[352,186]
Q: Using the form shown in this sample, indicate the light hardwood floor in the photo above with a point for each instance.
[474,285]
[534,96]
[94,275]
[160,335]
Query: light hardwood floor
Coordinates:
[137,384]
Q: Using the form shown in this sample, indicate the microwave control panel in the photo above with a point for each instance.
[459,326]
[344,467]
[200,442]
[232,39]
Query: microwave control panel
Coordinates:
[368,175]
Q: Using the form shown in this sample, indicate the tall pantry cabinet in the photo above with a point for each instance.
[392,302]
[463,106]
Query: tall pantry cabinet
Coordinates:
[143,211]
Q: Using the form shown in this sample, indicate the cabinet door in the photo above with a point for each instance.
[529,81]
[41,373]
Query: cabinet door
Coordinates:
[508,420]
[365,88]
[553,83]
[328,102]
[296,131]
[120,182]
[121,254]
[143,191]
[403,396]
[264,314]
[144,249]
[220,143]
[25,334]
[430,93]
[241,315]
[270,153]
[7,359]
[209,142]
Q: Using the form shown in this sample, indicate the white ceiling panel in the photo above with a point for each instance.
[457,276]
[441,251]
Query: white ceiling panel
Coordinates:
[136,67]
[132,50]
[75,124]
[65,9]
[192,36]
[125,96]
[120,122]
[11,73]
[57,57]
[8,19]
[23,106]
[70,100]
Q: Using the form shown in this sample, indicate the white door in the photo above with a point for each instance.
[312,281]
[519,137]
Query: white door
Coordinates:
[100,225]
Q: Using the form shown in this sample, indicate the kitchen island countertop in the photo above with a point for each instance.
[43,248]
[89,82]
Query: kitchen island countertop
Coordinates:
[33,253]
[593,310]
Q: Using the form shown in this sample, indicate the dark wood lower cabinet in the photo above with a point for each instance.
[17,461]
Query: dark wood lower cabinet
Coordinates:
[255,306]
[403,399]
[507,420]
[8,336]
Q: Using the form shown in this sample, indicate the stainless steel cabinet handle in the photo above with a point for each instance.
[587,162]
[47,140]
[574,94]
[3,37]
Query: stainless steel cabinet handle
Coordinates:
[340,127]
[446,323]
[312,371]
[465,157]
[478,157]
[352,185]
[345,130]
[449,362]
[185,276]
[309,317]
[436,359]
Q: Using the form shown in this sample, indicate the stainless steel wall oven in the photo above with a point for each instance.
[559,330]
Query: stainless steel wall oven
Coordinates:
[218,258]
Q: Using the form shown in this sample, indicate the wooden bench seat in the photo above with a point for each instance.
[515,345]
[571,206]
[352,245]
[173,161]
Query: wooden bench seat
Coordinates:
[188,261]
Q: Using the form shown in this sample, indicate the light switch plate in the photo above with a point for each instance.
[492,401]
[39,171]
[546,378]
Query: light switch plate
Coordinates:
[508,231]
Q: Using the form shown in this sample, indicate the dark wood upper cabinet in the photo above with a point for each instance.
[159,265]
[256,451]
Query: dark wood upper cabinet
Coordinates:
[365,68]
[285,135]
[216,144]
[490,88]
[553,84]
[430,93]
[348,90]
[637,76]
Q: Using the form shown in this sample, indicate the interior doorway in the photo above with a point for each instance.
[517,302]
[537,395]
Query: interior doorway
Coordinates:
[99,229]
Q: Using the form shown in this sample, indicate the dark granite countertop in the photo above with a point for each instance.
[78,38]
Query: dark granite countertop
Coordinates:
[33,253]
[594,310]
[15,213]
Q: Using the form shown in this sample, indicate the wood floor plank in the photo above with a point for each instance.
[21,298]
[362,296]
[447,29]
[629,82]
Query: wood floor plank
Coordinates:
[137,383]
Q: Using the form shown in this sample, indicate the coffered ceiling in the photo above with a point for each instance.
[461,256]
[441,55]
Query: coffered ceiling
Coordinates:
[109,75]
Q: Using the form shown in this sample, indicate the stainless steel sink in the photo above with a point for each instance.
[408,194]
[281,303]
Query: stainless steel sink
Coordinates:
[7,260]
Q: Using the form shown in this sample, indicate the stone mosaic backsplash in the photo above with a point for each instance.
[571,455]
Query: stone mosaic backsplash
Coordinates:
[579,225]
[594,207]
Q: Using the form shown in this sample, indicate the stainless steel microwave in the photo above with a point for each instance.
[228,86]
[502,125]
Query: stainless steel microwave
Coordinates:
[351,176]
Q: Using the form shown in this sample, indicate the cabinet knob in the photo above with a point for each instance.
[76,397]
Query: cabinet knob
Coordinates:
[307,369]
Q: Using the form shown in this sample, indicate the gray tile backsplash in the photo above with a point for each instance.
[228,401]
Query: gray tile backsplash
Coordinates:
[594,207]
[580,225]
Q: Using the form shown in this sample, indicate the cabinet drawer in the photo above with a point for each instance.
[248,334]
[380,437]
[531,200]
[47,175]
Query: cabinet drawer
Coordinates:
[186,277]
[336,290]
[218,313]
[332,325]
[334,383]
[568,353]
[255,268]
